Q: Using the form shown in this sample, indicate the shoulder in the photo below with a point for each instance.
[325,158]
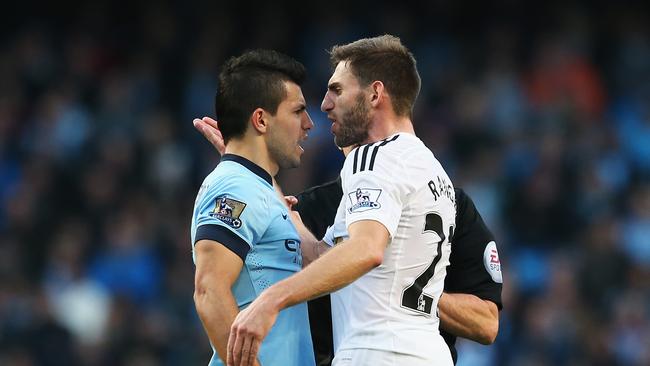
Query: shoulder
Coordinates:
[384,155]
[233,186]
[470,227]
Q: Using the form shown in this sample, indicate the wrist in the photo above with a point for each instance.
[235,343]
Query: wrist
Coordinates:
[275,297]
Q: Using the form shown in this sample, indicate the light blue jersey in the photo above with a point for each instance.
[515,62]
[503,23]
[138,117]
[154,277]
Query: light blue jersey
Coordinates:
[238,207]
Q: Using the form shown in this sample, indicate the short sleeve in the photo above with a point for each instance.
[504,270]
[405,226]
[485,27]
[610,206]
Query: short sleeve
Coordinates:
[373,194]
[328,238]
[230,212]
[475,267]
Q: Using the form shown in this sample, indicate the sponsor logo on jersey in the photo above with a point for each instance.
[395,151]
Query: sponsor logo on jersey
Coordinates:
[228,210]
[492,262]
[364,199]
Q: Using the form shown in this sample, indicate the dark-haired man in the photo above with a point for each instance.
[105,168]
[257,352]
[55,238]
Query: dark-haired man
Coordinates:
[243,241]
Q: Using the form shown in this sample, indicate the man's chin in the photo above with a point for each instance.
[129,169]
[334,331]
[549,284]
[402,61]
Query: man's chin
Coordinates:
[290,163]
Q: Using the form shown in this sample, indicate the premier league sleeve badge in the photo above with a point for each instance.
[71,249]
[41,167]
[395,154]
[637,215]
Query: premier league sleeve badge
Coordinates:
[228,211]
[364,199]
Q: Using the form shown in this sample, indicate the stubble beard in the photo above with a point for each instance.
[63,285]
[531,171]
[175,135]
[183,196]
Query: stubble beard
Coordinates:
[282,153]
[356,122]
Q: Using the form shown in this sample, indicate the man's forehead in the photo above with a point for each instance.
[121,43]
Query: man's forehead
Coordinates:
[339,70]
[342,73]
[294,93]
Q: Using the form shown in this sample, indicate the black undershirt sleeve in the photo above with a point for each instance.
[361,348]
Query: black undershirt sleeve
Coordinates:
[466,272]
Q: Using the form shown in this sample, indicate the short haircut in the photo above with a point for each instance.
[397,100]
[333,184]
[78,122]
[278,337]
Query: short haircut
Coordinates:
[385,59]
[250,81]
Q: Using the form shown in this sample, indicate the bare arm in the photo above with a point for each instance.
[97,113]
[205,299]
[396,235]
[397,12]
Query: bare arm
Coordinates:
[217,268]
[310,247]
[469,316]
[337,268]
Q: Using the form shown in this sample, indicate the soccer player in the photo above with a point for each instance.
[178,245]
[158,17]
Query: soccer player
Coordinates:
[472,290]
[393,226]
[243,241]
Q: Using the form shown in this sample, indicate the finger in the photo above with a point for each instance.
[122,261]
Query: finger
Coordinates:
[201,126]
[212,122]
[246,358]
[255,349]
[230,361]
[237,347]
[290,201]
[213,136]
[198,124]
[210,130]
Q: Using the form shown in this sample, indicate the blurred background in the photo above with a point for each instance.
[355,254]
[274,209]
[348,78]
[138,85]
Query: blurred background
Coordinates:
[540,111]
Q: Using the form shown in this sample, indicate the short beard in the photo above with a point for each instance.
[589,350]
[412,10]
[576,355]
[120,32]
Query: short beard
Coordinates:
[355,123]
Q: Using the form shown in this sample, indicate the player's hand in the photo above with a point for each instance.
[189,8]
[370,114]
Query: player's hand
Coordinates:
[248,330]
[290,201]
[209,128]
[295,216]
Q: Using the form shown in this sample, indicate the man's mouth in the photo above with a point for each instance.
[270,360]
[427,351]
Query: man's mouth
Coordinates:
[301,141]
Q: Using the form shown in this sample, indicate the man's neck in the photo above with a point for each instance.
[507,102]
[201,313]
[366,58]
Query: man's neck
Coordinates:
[255,152]
[382,128]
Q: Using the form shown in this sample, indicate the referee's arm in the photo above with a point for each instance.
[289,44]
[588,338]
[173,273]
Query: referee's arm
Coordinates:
[469,306]
[469,316]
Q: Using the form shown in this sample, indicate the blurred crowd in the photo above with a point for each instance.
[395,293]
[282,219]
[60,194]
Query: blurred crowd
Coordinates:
[541,114]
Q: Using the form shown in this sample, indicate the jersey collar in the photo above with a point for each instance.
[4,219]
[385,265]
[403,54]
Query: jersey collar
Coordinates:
[256,169]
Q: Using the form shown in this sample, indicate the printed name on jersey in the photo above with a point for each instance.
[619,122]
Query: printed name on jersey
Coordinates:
[364,199]
[228,211]
[442,188]
[492,262]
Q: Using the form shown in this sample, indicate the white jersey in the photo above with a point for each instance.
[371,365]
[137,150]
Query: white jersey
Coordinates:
[399,183]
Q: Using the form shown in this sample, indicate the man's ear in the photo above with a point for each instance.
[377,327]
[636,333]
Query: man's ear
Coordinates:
[377,93]
[260,120]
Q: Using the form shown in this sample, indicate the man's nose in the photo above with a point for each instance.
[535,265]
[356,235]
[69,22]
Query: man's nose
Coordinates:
[327,104]
[308,123]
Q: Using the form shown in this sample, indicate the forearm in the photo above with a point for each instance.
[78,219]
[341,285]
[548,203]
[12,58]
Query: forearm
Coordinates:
[312,250]
[217,310]
[310,247]
[335,269]
[468,316]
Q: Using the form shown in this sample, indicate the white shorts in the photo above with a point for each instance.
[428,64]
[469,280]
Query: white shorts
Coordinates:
[373,357]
